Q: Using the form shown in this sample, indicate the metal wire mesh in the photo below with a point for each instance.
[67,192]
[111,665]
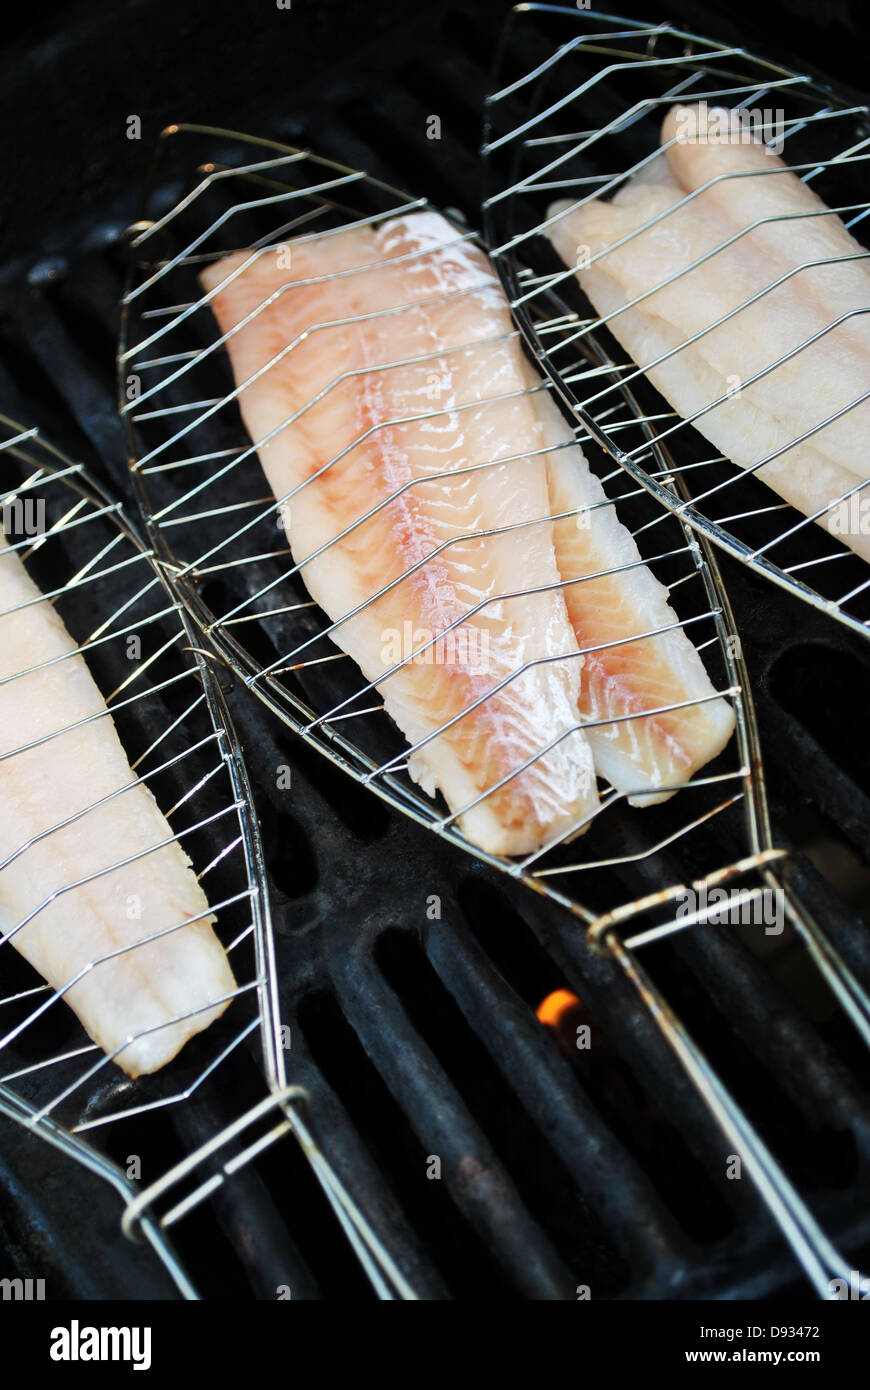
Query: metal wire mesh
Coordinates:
[166,702]
[214,523]
[212,518]
[101,580]
[576,109]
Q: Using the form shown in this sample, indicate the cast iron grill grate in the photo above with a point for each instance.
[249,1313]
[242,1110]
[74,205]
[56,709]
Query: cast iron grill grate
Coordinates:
[659,1216]
[192,466]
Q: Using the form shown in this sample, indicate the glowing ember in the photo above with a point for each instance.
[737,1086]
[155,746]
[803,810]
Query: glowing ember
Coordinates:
[556,1007]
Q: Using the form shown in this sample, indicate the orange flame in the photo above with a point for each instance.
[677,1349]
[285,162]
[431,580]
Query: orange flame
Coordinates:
[553,1010]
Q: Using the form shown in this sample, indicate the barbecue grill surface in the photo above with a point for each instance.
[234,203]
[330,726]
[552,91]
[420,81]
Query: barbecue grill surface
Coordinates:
[417,1037]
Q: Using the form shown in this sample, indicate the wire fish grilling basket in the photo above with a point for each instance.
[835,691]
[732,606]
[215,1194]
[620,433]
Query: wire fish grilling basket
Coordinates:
[168,706]
[577,105]
[212,522]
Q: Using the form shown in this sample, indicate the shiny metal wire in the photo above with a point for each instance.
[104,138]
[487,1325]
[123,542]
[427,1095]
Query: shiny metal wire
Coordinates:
[575,123]
[69,1097]
[213,525]
[186,489]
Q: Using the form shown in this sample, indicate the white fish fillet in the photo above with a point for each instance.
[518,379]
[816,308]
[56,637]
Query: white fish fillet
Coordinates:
[375,428]
[45,786]
[822,378]
[331,403]
[624,682]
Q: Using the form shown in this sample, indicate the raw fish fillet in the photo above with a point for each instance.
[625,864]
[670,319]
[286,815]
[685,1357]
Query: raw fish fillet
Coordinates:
[373,427]
[756,420]
[622,682]
[344,432]
[44,786]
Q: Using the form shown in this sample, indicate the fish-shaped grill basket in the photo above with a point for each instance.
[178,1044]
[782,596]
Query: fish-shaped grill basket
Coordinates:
[221,205]
[132,882]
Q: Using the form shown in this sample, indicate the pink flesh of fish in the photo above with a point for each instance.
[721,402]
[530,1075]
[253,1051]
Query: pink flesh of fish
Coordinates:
[365,430]
[351,432]
[619,598]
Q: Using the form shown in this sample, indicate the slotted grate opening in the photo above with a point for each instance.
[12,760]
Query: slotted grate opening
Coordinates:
[352,879]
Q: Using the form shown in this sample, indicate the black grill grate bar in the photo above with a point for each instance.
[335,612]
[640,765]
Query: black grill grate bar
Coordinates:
[245,1209]
[378,1017]
[811,1074]
[349,1154]
[74,376]
[490,1003]
[38,326]
[620,1193]
[763,1016]
[634,1037]
[477,1181]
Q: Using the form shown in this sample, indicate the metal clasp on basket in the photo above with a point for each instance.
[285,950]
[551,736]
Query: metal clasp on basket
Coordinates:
[604,927]
[824,1265]
[290,1100]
